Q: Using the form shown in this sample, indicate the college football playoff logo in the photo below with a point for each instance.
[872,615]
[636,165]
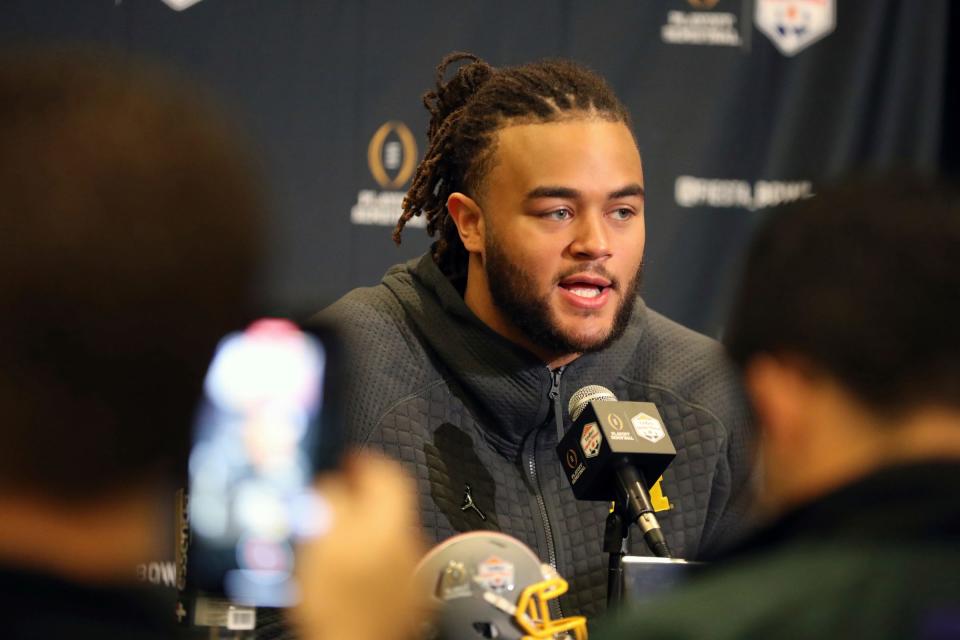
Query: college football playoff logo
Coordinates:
[392,155]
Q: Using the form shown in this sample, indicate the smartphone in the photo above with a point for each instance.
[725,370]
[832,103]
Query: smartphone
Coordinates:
[265,427]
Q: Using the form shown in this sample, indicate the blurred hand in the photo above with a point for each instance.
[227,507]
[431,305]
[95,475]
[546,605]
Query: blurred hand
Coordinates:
[356,579]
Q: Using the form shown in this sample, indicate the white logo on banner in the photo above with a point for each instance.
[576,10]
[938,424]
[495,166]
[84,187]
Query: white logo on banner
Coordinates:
[692,191]
[392,160]
[180,5]
[702,27]
[164,573]
[647,427]
[793,25]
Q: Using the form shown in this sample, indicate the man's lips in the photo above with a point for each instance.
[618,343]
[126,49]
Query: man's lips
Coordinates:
[585,279]
[585,290]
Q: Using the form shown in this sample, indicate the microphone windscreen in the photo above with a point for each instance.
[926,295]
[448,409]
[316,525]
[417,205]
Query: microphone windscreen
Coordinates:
[580,399]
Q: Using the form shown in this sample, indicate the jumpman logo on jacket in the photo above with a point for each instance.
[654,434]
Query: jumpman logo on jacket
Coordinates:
[468,503]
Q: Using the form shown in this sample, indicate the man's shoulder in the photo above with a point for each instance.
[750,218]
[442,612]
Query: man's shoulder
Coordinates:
[676,366]
[365,307]
[684,362]
[663,335]
[371,320]
[384,356]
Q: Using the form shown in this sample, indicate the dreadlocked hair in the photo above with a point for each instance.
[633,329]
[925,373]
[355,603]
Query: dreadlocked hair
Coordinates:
[466,112]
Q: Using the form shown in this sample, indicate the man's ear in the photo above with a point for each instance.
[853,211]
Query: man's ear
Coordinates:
[468,217]
[780,393]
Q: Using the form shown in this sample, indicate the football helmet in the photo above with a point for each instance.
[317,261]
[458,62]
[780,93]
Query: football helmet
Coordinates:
[484,584]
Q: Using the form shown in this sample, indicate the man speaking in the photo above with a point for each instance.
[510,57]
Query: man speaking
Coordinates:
[464,359]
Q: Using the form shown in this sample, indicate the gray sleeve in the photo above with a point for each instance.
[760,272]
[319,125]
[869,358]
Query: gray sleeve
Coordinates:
[384,360]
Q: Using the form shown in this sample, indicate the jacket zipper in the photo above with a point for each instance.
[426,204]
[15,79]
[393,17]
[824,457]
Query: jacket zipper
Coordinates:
[532,468]
[555,397]
[548,531]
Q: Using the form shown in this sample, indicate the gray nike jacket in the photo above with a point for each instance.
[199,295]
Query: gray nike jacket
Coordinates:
[433,387]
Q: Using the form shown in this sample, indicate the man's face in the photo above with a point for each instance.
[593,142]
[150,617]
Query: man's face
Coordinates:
[563,235]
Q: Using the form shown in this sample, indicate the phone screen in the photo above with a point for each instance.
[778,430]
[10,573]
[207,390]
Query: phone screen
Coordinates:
[262,433]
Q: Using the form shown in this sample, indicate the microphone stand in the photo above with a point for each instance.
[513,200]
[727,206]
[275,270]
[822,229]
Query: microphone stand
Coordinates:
[632,505]
[614,540]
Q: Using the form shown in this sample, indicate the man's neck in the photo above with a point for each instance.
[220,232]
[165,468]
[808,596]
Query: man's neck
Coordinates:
[96,542]
[847,455]
[478,300]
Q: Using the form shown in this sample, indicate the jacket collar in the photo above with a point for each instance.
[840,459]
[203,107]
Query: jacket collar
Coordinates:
[507,386]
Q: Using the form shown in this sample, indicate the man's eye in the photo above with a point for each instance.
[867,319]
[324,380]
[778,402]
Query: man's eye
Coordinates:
[559,214]
[622,214]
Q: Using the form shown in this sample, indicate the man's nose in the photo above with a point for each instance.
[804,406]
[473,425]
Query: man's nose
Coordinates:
[591,237]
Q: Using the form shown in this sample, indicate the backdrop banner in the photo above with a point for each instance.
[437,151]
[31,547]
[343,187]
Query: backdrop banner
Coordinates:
[738,105]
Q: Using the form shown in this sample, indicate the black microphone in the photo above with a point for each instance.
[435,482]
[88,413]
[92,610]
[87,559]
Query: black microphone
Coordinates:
[613,452]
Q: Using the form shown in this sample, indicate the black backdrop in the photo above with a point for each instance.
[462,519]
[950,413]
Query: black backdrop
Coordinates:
[737,105]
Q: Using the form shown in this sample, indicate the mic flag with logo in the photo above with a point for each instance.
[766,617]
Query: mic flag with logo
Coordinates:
[605,434]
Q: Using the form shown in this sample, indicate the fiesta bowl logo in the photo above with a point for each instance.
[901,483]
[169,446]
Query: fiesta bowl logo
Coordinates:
[793,25]
[392,155]
[496,574]
[647,427]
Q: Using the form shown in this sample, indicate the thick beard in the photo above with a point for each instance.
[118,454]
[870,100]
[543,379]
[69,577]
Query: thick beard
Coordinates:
[514,292]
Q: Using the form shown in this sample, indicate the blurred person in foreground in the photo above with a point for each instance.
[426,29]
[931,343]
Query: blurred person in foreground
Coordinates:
[129,240]
[846,331]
